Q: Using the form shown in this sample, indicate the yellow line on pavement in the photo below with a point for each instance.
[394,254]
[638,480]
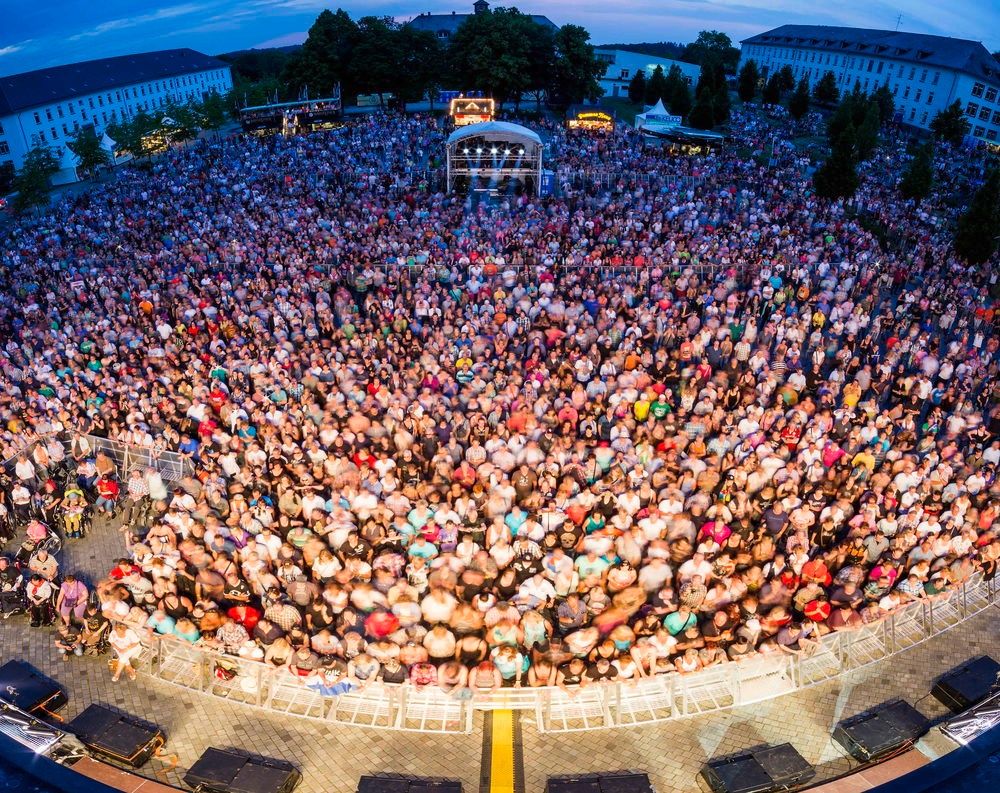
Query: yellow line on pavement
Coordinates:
[502,752]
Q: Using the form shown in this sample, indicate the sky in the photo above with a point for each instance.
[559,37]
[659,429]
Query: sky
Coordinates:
[35,35]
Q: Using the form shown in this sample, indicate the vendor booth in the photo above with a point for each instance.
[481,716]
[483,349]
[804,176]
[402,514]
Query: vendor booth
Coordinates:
[465,110]
[589,119]
[494,156]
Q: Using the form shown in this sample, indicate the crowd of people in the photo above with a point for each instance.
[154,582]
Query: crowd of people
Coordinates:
[540,442]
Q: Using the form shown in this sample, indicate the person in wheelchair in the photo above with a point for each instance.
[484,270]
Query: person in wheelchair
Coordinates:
[96,628]
[11,589]
[20,498]
[44,564]
[107,494]
[40,593]
[73,505]
[86,475]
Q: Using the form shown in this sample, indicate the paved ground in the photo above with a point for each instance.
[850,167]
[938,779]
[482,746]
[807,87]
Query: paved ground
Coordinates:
[332,757]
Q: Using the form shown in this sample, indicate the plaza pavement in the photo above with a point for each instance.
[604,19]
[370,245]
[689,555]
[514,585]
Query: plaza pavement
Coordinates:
[332,757]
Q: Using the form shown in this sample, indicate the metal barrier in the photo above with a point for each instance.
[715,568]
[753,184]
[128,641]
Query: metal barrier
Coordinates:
[597,706]
[171,466]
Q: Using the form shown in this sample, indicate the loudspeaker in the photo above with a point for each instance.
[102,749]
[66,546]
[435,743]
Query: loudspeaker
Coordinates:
[123,738]
[610,782]
[22,686]
[228,771]
[876,732]
[964,686]
[758,771]
[396,783]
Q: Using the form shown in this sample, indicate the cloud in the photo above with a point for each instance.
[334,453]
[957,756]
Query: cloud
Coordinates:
[287,40]
[112,25]
[11,49]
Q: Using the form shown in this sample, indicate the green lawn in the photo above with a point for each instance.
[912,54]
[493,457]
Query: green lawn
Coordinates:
[625,111]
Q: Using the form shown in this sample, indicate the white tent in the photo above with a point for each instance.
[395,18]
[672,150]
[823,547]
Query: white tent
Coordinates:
[656,119]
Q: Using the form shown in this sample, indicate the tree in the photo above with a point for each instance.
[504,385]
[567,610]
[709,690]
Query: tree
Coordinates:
[838,176]
[419,59]
[867,135]
[787,78]
[702,114]
[637,87]
[214,110]
[32,182]
[656,86]
[679,99]
[6,177]
[886,104]
[976,236]
[747,82]
[88,150]
[372,68]
[950,124]
[130,135]
[325,56]
[715,46]
[576,70]
[919,175]
[798,105]
[772,90]
[826,91]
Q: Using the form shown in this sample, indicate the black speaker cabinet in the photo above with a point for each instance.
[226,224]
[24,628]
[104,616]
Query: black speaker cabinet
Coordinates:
[123,738]
[964,686]
[398,783]
[227,771]
[24,687]
[876,732]
[758,771]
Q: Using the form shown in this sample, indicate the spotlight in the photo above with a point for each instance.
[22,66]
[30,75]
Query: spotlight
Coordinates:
[521,152]
[465,151]
[506,151]
[479,151]
[493,150]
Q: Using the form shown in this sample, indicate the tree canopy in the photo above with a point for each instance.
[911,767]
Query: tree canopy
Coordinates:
[919,175]
[88,150]
[32,182]
[826,92]
[798,104]
[576,71]
[976,236]
[747,81]
[711,45]
[950,124]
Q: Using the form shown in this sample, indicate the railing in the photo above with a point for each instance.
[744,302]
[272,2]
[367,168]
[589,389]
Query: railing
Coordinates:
[597,706]
[171,466]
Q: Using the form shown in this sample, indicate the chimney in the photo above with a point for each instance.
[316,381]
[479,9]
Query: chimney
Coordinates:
[481,6]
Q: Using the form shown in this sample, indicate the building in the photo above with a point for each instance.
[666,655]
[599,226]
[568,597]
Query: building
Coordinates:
[925,73]
[622,66]
[51,106]
[444,25]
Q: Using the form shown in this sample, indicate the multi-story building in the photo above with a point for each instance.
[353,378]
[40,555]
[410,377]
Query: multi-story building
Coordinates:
[925,73]
[444,25]
[51,106]
[622,65]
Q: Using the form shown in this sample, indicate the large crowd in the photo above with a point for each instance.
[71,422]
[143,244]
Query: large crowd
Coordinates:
[693,414]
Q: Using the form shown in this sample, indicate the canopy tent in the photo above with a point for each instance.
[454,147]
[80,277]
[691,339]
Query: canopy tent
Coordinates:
[494,156]
[656,119]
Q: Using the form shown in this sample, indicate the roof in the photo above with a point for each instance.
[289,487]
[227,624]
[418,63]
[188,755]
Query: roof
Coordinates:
[633,61]
[449,23]
[962,55]
[497,130]
[44,86]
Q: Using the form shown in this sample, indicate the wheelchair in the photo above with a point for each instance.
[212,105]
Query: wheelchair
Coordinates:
[12,600]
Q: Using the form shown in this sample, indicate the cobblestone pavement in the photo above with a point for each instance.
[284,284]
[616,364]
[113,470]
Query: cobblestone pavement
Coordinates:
[332,757]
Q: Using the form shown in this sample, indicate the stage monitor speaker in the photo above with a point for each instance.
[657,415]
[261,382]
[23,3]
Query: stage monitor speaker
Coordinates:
[758,771]
[24,687]
[397,783]
[123,738]
[588,783]
[964,686]
[625,782]
[228,771]
[876,732]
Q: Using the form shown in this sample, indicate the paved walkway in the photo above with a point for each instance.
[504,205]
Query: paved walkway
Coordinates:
[332,757]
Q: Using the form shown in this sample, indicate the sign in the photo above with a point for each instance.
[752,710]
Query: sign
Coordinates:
[470,110]
[676,120]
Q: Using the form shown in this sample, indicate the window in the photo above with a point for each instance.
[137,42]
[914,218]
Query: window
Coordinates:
[871,64]
[917,97]
[55,134]
[59,110]
[1,129]
[880,65]
[895,90]
[65,130]
[991,94]
[923,118]
[984,114]
[991,134]
[4,148]
[38,118]
[913,71]
[866,85]
[937,76]
[118,95]
[930,98]
[48,114]
[977,89]
[913,112]
[971,109]
[90,101]
[72,109]
[41,135]
[100,100]
[979,131]
[906,93]
[923,76]
[996,118]
[901,71]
